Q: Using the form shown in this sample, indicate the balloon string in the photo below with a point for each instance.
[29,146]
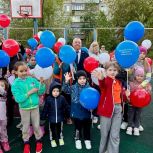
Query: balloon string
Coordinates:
[92,117]
[71,68]
[127,79]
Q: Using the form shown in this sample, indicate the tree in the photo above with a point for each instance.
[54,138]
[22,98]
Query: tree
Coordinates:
[123,12]
[93,18]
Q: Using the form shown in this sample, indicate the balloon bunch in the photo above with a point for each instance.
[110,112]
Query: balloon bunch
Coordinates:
[10,48]
[127,52]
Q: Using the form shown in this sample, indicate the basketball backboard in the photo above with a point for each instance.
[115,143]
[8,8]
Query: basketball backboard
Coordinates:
[26,8]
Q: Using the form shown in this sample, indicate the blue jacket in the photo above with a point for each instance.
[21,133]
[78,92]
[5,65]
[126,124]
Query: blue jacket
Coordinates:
[83,56]
[55,108]
[77,111]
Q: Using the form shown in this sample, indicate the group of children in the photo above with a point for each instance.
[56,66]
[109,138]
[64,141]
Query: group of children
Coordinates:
[27,90]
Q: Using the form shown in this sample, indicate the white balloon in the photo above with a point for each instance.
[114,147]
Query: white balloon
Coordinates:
[62,40]
[39,33]
[39,72]
[95,80]
[146,43]
[104,57]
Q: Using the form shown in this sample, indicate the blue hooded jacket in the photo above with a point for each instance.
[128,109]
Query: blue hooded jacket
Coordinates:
[55,108]
[77,111]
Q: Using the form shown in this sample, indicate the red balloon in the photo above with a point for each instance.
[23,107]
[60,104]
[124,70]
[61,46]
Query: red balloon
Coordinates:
[140,98]
[149,60]
[36,37]
[40,46]
[4,20]
[11,47]
[57,46]
[90,64]
[28,51]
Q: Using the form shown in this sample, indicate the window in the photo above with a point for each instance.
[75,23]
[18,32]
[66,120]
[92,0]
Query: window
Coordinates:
[76,19]
[67,8]
[78,7]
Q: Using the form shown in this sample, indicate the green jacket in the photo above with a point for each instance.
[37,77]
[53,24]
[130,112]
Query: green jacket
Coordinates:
[21,87]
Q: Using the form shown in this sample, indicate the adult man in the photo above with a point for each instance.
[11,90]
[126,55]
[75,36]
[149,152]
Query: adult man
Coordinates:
[81,55]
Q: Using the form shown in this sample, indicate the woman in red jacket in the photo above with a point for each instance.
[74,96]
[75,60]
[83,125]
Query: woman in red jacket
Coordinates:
[109,108]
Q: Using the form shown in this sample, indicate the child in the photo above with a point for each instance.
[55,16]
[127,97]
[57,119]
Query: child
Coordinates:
[3,119]
[109,108]
[135,112]
[32,62]
[80,115]
[55,106]
[26,91]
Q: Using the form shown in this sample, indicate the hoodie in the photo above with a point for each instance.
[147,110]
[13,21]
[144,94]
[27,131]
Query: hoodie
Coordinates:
[55,107]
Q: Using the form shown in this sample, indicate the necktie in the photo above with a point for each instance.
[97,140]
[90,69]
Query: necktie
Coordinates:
[76,60]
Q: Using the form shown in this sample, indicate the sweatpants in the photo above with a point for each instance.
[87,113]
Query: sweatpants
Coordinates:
[134,116]
[82,126]
[3,131]
[56,130]
[33,116]
[110,131]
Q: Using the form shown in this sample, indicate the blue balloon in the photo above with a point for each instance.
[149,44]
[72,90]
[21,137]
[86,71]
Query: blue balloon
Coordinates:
[89,98]
[45,57]
[32,43]
[4,59]
[48,39]
[134,31]
[85,49]
[67,54]
[127,53]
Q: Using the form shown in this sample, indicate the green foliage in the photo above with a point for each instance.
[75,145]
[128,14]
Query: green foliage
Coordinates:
[124,11]
[93,18]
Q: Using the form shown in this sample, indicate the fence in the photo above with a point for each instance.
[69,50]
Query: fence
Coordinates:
[109,37]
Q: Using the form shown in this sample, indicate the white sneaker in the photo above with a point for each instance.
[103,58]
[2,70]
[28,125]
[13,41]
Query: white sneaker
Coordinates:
[95,119]
[136,132]
[78,144]
[53,143]
[129,131]
[87,144]
[98,126]
[141,128]
[124,125]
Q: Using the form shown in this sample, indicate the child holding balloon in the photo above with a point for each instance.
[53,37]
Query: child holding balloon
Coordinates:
[26,91]
[109,108]
[134,113]
[80,115]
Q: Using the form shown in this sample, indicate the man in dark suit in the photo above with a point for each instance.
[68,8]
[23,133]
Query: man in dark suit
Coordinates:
[81,55]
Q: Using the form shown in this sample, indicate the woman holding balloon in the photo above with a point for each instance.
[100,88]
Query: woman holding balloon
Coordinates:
[109,108]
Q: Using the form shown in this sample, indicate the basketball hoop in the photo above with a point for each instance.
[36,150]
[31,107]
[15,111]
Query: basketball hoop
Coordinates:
[26,8]
[25,11]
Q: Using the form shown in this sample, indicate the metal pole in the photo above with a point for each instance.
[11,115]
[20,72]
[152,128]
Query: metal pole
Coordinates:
[5,33]
[95,34]
[35,21]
